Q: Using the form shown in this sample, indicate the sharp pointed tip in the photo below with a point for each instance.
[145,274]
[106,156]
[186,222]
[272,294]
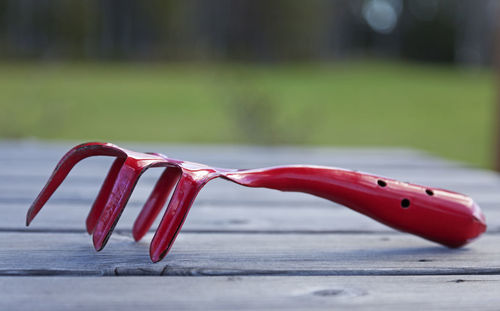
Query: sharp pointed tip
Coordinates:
[156,253]
[29,218]
[155,257]
[137,234]
[98,243]
[98,247]
[90,229]
[137,238]
[32,212]
[152,255]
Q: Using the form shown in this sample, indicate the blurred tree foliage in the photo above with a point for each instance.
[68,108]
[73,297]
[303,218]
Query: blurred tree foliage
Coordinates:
[249,30]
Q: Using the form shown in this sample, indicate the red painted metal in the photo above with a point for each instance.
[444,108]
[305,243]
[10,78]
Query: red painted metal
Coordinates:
[445,217]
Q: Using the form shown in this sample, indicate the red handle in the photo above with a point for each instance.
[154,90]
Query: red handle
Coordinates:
[445,217]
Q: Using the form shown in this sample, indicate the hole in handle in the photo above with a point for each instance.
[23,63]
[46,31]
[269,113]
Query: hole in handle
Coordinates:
[381,183]
[405,203]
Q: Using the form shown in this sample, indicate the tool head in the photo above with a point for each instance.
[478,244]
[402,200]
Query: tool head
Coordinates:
[187,178]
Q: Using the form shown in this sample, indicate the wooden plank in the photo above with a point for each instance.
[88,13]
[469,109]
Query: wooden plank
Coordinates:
[54,150]
[39,159]
[212,217]
[482,186]
[251,293]
[261,160]
[204,217]
[247,254]
[42,166]
[88,174]
[227,195]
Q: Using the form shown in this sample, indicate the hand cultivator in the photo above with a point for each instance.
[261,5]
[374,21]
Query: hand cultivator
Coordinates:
[441,216]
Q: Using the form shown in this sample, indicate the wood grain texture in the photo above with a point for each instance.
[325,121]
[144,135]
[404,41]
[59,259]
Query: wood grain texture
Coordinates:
[246,254]
[213,217]
[250,293]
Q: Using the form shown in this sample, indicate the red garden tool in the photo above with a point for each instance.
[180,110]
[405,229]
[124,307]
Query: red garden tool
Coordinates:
[445,217]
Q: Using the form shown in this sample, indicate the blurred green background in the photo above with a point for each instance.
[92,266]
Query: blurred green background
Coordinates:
[186,73]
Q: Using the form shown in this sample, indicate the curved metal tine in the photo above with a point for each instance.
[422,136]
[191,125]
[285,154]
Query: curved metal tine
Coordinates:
[155,202]
[118,197]
[102,197]
[124,184]
[171,223]
[67,162]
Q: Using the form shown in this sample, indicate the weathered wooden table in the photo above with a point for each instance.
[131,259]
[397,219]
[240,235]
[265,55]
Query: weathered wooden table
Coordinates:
[240,248]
